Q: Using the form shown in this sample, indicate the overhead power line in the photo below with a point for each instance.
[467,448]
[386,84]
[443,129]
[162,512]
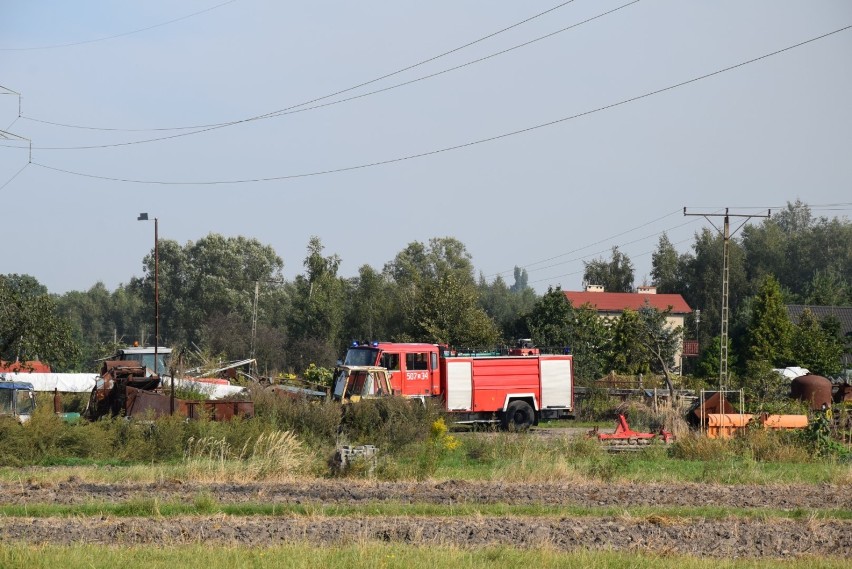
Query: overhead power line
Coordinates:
[206,127]
[714,211]
[294,110]
[580,271]
[448,148]
[15,175]
[571,252]
[122,34]
[602,251]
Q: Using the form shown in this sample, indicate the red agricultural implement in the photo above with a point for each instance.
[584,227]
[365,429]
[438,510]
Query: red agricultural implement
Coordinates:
[625,438]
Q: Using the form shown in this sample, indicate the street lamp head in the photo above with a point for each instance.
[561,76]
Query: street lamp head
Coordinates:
[142,217]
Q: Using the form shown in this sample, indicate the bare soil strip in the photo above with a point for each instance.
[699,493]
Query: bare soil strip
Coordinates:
[353,492]
[726,538]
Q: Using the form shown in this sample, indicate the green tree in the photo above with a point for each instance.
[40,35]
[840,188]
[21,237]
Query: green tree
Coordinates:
[667,267]
[644,340]
[661,341]
[368,310]
[817,346]
[30,326]
[448,313]
[765,389]
[317,308]
[702,286]
[628,353]
[101,320]
[415,273]
[810,257]
[770,330]
[711,359]
[616,275]
[828,288]
[508,305]
[555,325]
[589,343]
[551,320]
[203,280]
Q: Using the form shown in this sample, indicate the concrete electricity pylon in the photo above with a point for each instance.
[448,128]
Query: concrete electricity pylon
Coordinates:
[726,234]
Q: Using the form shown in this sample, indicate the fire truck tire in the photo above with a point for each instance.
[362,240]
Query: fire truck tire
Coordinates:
[519,416]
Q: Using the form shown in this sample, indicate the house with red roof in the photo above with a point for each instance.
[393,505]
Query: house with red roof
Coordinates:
[33,366]
[611,305]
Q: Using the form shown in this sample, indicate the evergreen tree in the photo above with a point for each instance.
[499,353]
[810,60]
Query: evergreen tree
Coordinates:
[770,331]
[666,267]
[816,346]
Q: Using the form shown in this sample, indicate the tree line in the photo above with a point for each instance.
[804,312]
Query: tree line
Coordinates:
[227,297]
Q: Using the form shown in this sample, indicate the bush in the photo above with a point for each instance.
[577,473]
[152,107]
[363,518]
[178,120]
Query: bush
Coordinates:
[389,423]
[596,406]
[314,421]
[765,445]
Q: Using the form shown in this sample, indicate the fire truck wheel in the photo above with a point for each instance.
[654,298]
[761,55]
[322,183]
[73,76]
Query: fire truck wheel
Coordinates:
[519,416]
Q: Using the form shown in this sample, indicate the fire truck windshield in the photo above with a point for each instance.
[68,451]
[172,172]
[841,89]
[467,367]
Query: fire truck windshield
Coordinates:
[361,356]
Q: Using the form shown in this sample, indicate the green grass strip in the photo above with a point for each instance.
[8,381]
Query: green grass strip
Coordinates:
[369,556]
[207,506]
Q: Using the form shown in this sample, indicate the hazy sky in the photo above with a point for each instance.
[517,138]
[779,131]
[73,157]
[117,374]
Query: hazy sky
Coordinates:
[755,136]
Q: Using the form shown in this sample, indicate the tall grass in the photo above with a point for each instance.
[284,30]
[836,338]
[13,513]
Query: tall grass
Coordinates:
[271,455]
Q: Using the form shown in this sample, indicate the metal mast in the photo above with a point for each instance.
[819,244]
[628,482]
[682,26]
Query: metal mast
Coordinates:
[726,279]
[254,320]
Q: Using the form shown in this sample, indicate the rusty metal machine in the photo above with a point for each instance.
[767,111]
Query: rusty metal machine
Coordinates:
[126,388]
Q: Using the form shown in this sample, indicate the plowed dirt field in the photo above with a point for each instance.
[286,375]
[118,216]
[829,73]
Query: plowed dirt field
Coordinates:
[727,537]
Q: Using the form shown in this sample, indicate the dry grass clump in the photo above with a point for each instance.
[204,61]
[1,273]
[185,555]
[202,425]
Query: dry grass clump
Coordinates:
[696,446]
[271,455]
[758,444]
[665,415]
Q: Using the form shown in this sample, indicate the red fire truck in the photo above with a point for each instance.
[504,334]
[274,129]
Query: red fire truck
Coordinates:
[516,390]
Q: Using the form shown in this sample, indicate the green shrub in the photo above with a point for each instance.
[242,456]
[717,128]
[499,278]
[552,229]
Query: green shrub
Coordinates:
[315,422]
[597,405]
[389,423]
[819,437]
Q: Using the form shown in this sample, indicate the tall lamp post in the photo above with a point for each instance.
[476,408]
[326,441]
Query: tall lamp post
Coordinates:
[144,217]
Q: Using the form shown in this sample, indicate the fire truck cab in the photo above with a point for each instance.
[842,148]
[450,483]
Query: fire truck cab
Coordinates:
[413,367]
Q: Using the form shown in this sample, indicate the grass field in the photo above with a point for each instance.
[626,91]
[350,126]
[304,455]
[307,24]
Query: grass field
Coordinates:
[369,556]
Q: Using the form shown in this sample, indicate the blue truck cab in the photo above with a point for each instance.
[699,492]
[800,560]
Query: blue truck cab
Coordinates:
[17,399]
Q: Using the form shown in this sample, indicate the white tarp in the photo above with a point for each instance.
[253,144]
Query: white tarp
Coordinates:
[211,390]
[792,372]
[63,382]
[85,382]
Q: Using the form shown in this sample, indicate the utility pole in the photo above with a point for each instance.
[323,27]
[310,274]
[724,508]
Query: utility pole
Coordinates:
[726,234]
[254,320]
[254,316]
